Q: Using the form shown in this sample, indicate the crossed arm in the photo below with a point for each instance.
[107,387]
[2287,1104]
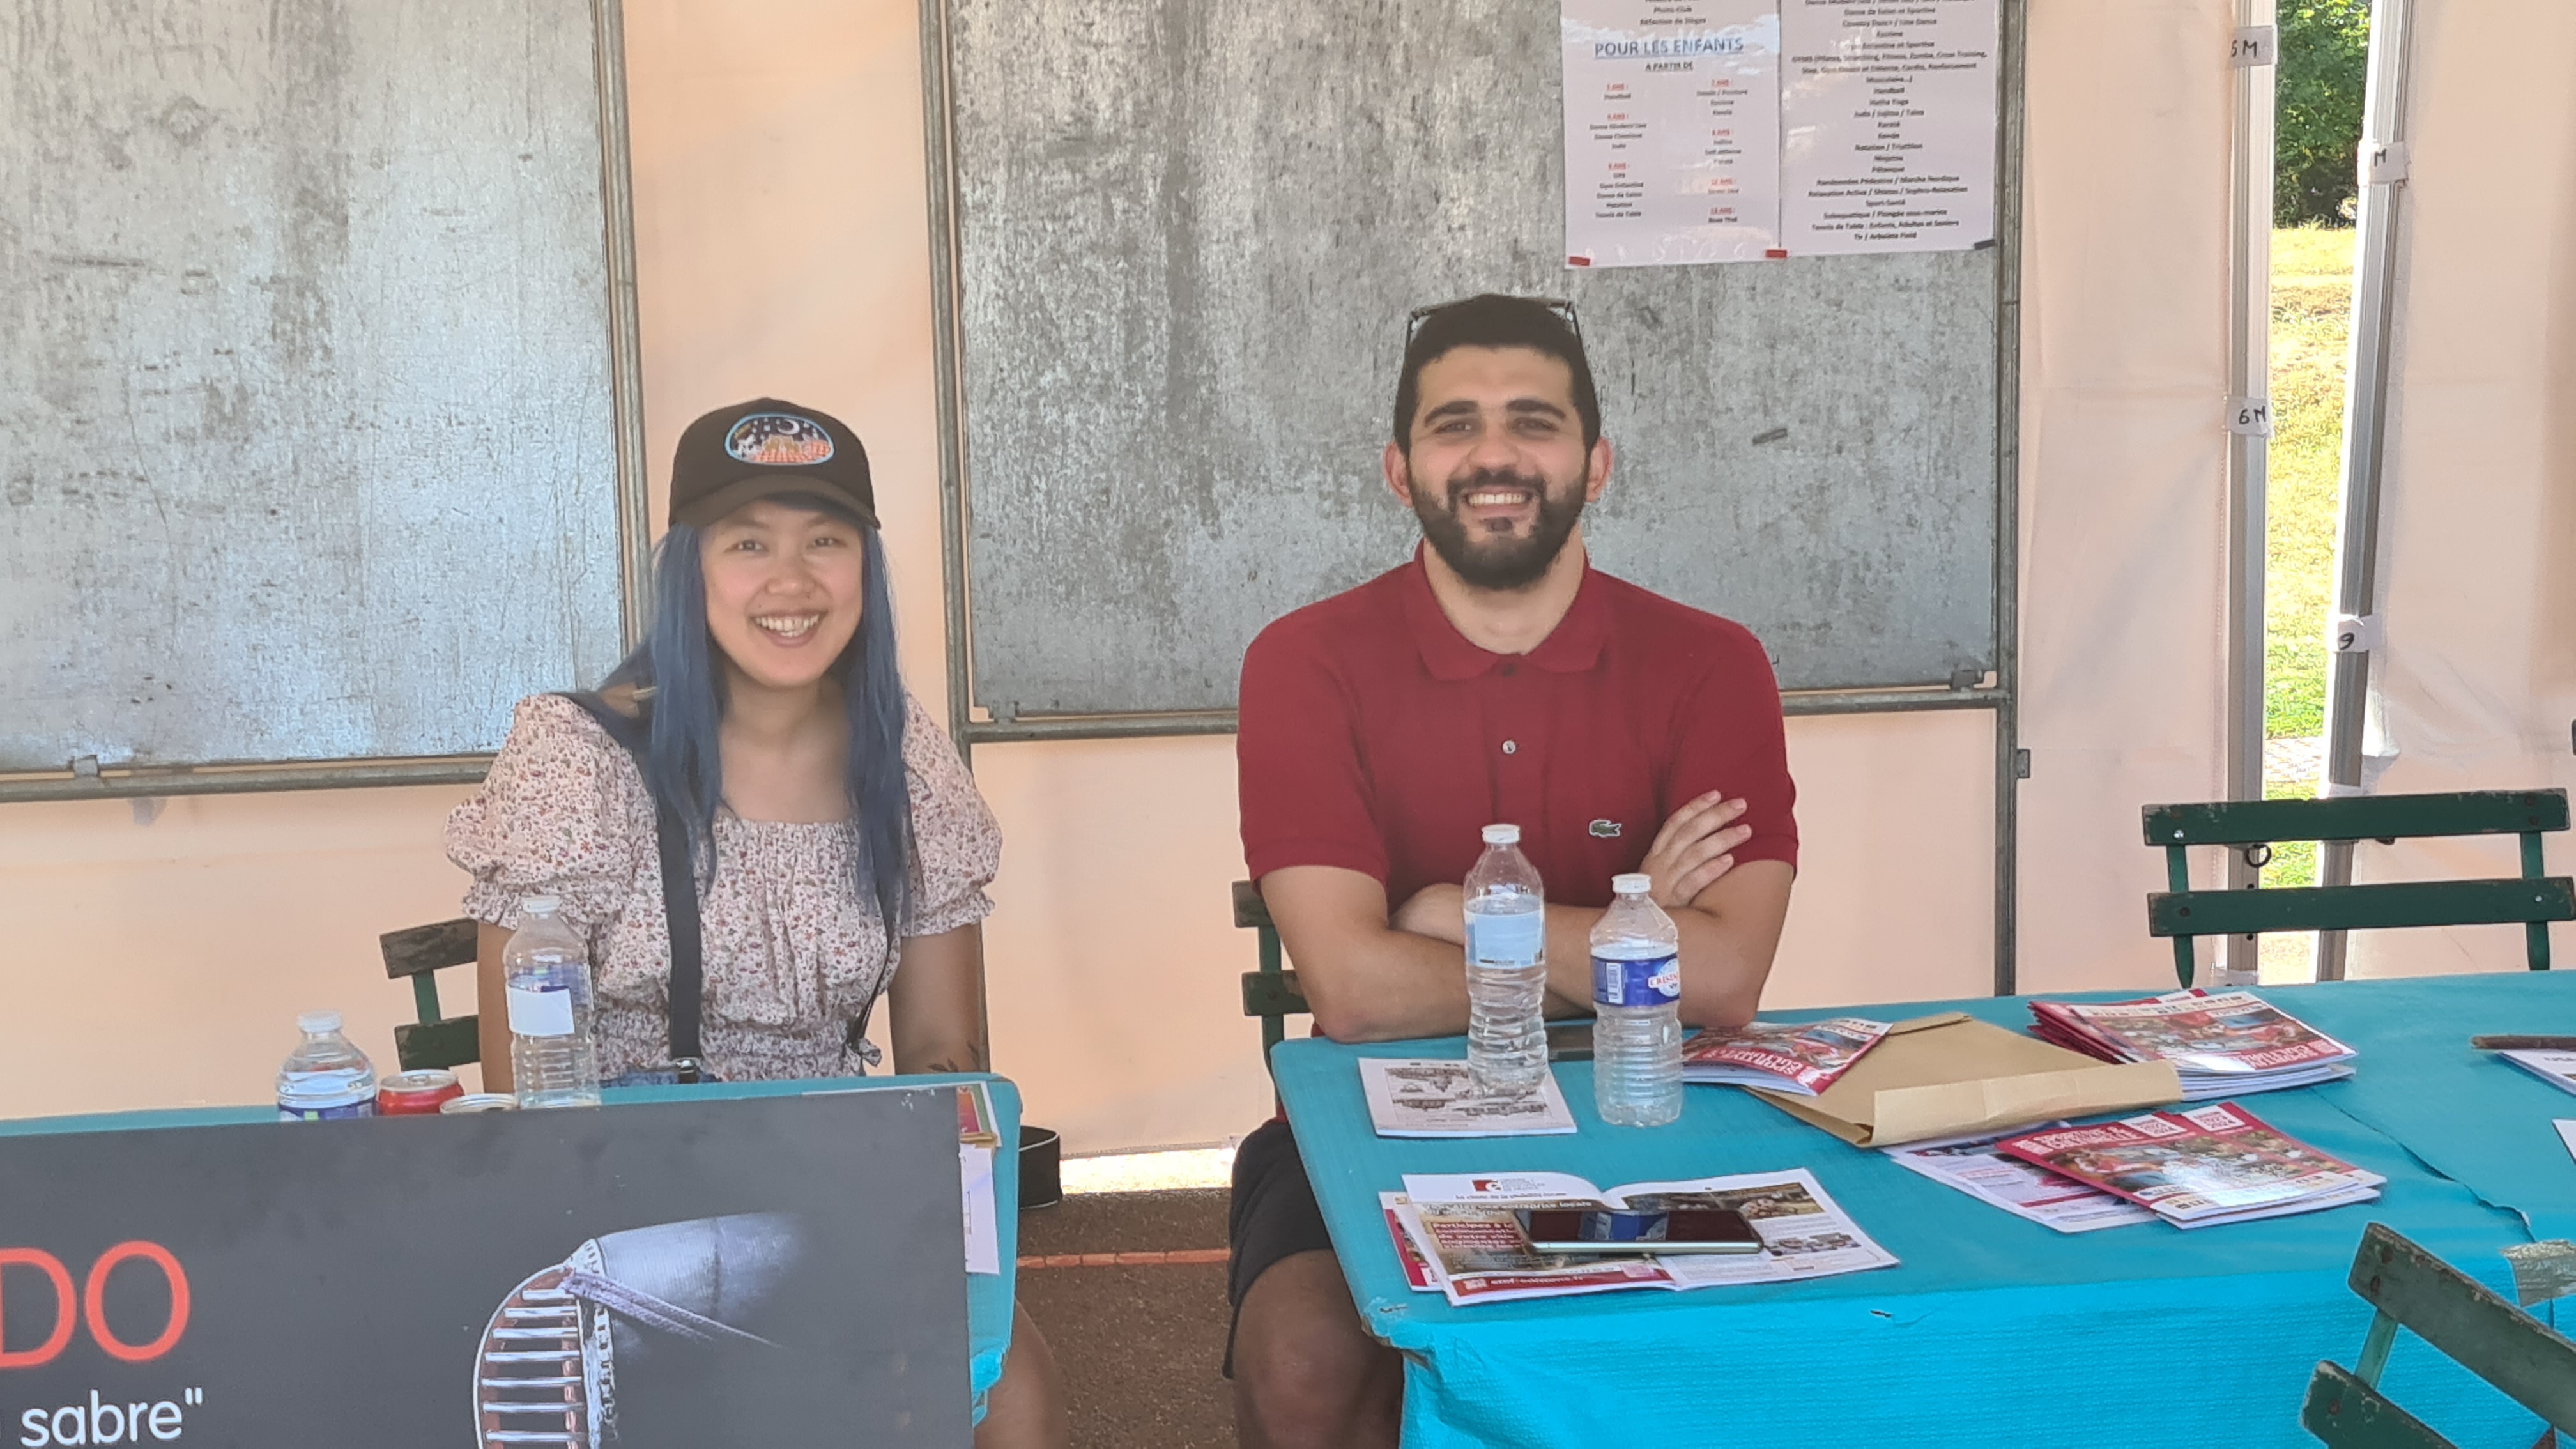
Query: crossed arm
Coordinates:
[1374,974]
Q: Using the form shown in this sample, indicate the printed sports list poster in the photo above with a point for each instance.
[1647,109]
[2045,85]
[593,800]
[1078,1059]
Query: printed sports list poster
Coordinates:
[1887,117]
[1672,131]
[1730,130]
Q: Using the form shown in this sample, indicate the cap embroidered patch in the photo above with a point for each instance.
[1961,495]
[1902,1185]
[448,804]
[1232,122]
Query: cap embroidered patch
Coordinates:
[778,440]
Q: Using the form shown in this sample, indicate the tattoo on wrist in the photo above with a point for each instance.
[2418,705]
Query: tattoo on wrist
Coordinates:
[973,1061]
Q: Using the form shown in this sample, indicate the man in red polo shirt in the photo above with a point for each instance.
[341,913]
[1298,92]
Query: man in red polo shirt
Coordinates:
[1496,677]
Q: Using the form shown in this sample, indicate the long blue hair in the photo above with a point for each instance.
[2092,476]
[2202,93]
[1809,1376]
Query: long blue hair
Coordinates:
[676,674]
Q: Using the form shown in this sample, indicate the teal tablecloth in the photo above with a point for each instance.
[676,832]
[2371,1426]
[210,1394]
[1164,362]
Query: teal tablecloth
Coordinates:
[1992,1331]
[988,1297]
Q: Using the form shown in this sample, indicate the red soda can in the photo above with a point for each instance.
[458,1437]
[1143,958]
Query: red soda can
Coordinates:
[416,1094]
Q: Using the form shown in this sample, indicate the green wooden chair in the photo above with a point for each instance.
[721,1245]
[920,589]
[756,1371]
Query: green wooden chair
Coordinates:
[2530,1362]
[420,953]
[2252,825]
[1270,993]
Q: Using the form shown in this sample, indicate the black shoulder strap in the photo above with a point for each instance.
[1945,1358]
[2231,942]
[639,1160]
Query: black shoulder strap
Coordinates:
[679,892]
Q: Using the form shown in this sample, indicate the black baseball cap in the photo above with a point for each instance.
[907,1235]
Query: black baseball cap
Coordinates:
[761,449]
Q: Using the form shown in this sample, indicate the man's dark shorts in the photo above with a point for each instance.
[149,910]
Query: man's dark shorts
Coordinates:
[1273,1215]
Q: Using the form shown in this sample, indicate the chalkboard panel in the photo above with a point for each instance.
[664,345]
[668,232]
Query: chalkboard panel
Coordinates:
[305,377]
[1187,239]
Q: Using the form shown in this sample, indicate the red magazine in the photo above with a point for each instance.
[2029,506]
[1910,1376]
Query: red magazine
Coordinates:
[2230,1033]
[2216,1163]
[1801,1058]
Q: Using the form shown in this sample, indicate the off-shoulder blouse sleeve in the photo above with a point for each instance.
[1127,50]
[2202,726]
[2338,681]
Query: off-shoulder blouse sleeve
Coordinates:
[957,845]
[556,816]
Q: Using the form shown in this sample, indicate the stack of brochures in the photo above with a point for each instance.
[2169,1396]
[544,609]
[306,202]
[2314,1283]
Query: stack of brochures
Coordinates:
[1977,1167]
[1437,1098]
[2196,1169]
[2557,1068]
[2222,1044]
[1457,1235]
[1801,1058]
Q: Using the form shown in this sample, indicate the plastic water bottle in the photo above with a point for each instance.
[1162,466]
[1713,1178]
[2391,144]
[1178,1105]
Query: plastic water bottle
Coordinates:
[554,1060]
[326,1076]
[1506,968]
[1636,995]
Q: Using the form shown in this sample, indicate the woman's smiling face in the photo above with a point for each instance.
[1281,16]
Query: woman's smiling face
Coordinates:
[784,587]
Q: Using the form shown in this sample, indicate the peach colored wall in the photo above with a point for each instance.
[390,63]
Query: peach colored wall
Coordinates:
[163,965]
[782,243]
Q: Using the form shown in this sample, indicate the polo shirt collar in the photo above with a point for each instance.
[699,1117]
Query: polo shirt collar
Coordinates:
[1573,647]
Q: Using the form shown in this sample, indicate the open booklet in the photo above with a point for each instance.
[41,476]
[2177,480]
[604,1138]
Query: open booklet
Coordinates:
[1437,1098]
[1457,1235]
[1800,1057]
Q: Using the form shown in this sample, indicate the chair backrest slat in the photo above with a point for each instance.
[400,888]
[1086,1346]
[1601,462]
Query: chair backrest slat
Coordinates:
[1270,993]
[429,948]
[2361,908]
[2357,817]
[2530,1362]
[2345,1412]
[1251,912]
[420,952]
[2185,914]
[449,1043]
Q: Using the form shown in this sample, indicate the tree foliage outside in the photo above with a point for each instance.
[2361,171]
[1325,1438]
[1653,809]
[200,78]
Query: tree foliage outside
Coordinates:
[2324,69]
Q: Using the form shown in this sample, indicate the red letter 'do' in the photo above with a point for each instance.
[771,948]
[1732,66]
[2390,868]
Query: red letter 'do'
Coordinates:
[94,1300]
[52,1267]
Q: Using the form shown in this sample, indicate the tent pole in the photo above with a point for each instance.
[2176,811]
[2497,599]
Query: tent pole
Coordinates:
[2249,413]
[2365,421]
[2010,758]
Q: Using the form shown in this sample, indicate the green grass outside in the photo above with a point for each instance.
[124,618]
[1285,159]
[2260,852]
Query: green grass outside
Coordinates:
[2311,326]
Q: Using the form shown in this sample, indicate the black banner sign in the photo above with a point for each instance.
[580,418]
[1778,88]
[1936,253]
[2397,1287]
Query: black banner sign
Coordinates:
[777,1271]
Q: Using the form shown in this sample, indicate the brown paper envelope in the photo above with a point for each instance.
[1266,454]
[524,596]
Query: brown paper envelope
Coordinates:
[1950,1075]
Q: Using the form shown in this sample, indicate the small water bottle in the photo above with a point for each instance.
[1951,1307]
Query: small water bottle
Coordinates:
[1636,995]
[326,1076]
[554,1061]
[1506,968]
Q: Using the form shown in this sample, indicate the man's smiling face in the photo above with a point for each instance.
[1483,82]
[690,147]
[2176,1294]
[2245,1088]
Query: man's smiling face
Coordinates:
[1495,465]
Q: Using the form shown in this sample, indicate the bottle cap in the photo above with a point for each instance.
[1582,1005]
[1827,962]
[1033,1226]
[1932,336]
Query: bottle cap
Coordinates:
[1502,835]
[539,905]
[314,1023]
[1632,885]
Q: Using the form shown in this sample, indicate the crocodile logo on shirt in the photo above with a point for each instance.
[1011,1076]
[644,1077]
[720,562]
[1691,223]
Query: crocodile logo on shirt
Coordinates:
[1606,829]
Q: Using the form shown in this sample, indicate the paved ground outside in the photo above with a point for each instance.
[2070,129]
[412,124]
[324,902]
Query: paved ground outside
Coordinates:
[1129,1288]
[1127,1277]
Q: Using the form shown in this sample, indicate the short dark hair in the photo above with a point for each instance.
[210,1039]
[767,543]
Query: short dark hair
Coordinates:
[1493,320]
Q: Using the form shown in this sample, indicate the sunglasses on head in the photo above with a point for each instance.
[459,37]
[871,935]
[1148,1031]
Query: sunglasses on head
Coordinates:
[1414,319]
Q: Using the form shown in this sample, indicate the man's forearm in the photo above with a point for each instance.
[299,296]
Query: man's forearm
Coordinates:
[1722,969]
[1721,974]
[1388,985]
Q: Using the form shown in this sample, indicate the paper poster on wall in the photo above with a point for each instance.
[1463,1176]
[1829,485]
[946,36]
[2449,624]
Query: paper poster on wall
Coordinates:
[1731,130]
[1672,142]
[1887,121]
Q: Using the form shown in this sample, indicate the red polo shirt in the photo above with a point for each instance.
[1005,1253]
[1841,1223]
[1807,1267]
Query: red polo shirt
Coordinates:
[1374,737]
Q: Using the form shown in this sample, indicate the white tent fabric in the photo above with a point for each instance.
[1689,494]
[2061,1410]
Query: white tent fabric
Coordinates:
[2124,466]
[2476,684]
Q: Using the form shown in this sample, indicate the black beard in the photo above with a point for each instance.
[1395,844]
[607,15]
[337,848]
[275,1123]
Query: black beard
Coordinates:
[1506,564]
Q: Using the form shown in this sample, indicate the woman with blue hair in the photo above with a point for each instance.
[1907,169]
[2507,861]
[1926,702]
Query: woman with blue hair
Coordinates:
[761,740]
